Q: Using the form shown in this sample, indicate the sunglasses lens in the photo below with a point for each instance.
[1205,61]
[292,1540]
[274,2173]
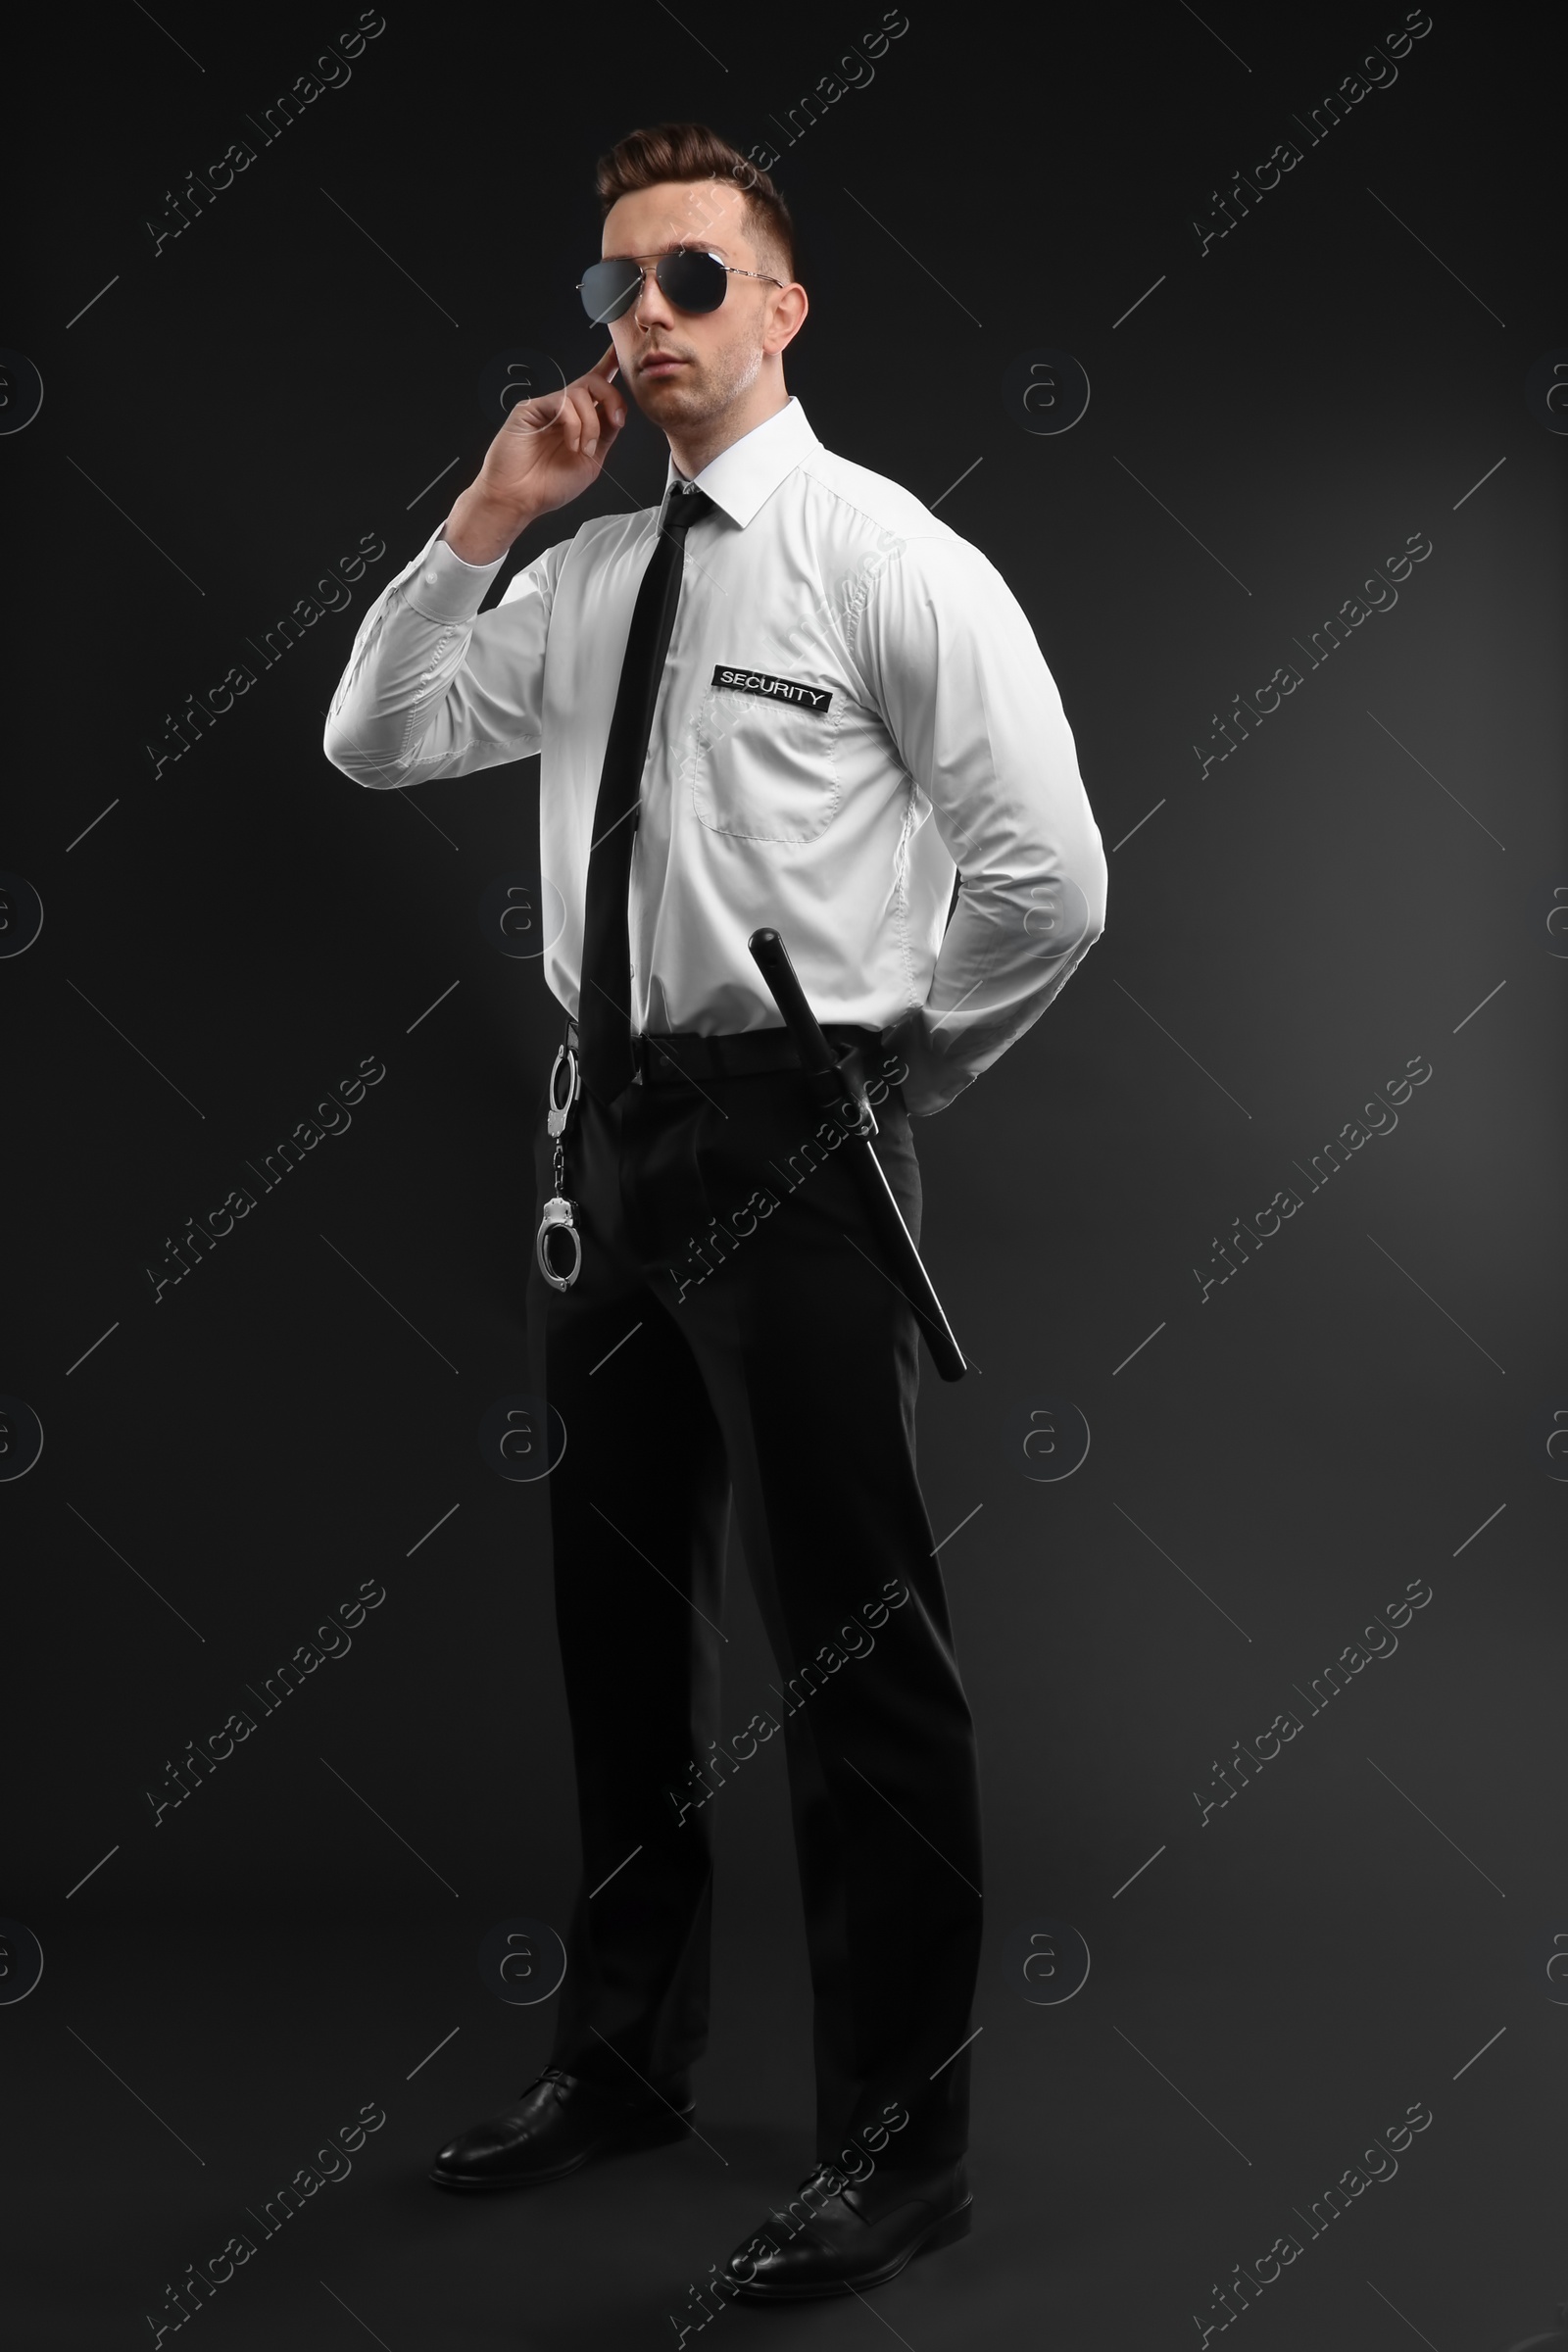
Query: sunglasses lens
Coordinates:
[609,288]
[693,282]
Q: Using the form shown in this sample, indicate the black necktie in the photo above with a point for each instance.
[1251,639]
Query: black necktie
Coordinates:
[604,1007]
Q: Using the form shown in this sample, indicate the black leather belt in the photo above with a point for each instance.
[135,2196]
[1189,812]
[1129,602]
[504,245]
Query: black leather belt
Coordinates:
[673,1058]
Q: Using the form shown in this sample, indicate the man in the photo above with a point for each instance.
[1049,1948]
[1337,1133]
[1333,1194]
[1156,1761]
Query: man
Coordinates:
[789,697]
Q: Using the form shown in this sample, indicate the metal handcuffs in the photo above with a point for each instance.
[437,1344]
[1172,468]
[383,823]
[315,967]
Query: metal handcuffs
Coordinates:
[560,1212]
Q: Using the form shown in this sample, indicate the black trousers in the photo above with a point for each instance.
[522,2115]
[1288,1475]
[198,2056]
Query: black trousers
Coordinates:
[770,1360]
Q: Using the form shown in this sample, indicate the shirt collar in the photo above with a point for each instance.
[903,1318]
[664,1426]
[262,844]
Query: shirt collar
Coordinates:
[742,479]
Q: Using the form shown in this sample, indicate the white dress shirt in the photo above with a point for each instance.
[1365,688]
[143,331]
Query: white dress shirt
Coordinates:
[853,707]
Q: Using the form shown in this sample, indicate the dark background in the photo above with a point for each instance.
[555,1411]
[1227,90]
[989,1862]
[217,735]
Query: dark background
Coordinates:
[1374,1387]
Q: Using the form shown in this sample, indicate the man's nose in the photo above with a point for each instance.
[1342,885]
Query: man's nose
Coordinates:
[652,307]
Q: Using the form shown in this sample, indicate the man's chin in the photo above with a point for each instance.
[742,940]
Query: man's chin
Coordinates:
[677,395]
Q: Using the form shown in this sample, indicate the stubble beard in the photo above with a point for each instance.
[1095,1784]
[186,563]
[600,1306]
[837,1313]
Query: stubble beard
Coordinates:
[703,390]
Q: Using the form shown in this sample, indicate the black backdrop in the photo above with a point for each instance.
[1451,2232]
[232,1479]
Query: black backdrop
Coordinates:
[1314,1384]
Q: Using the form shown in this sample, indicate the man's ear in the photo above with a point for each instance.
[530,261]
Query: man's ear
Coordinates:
[790,308]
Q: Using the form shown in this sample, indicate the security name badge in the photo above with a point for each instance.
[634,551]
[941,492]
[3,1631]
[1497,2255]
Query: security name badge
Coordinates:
[739,680]
[559,1213]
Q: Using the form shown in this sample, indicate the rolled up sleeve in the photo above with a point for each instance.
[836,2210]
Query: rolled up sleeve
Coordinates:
[974,712]
[433,686]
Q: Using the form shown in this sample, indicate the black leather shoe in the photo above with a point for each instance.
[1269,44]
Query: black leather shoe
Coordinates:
[837,2236]
[562,2124]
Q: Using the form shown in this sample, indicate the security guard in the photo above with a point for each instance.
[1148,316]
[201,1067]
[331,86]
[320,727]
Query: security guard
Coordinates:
[788,697]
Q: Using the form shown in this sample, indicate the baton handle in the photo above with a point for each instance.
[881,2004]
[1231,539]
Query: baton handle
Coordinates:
[821,1064]
[773,960]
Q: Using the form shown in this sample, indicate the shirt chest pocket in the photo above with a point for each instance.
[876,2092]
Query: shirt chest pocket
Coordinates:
[764,768]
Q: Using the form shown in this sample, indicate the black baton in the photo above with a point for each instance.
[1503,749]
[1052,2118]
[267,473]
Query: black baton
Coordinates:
[833,1079]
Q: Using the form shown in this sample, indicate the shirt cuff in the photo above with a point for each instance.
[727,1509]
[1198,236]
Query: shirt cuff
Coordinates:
[446,586]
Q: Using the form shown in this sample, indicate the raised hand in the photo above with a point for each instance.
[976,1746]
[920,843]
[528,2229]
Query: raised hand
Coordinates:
[549,451]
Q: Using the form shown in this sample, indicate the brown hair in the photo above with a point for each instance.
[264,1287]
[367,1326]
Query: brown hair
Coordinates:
[687,151]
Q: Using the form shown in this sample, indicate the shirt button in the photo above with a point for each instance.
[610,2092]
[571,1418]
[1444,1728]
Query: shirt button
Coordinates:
[429,579]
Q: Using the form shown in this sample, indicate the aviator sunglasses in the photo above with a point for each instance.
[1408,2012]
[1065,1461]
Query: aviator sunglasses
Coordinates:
[691,280]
